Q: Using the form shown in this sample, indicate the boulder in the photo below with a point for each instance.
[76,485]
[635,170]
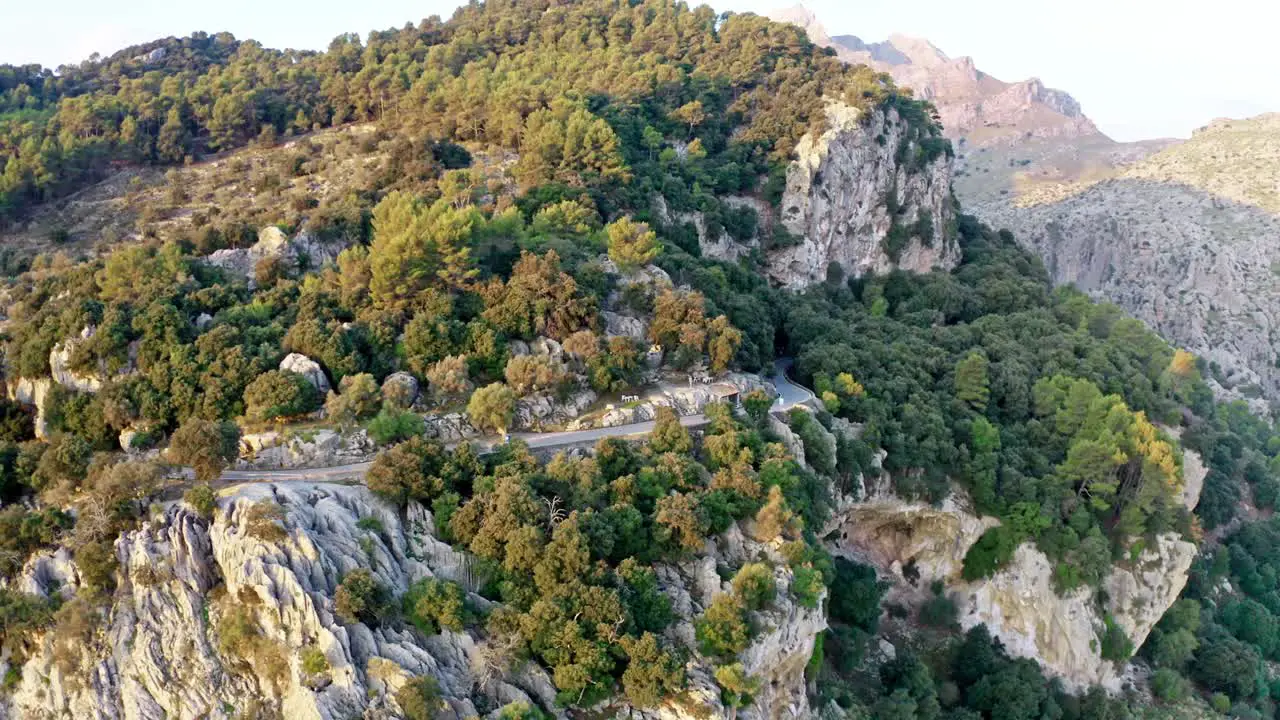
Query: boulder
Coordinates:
[616,325]
[401,389]
[307,368]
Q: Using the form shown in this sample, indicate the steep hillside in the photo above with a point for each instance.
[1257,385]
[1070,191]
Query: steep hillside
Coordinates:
[1186,240]
[1010,137]
[1181,234]
[608,359]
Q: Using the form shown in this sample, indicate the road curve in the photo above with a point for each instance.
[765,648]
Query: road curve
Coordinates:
[789,395]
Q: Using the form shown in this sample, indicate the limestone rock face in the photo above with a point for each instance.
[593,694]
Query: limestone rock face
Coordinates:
[1018,604]
[304,252]
[835,202]
[1184,240]
[1139,595]
[320,448]
[157,655]
[32,393]
[892,534]
[1020,607]
[60,366]
[307,368]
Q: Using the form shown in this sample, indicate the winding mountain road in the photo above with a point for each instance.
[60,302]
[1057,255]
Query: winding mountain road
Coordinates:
[789,396]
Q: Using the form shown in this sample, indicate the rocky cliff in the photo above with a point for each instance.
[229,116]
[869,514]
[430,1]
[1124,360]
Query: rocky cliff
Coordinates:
[161,649]
[1184,240]
[914,544]
[852,202]
[213,618]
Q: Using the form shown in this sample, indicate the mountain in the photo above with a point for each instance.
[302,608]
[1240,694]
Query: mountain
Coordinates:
[605,358]
[1182,234]
[973,105]
[1187,240]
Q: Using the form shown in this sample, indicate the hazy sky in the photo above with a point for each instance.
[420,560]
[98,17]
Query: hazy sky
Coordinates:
[1140,68]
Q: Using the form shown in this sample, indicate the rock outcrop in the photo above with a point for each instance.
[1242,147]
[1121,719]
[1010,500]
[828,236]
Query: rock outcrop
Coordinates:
[32,392]
[307,368]
[90,382]
[168,640]
[848,199]
[1020,606]
[450,428]
[301,253]
[158,653]
[543,411]
[914,544]
[310,449]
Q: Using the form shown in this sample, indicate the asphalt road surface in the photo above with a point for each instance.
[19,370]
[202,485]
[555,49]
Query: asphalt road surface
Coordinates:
[789,395]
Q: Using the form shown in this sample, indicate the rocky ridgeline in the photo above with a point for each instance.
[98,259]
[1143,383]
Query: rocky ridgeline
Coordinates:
[971,104]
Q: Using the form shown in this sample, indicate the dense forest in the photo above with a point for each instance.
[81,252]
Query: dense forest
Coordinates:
[1049,411]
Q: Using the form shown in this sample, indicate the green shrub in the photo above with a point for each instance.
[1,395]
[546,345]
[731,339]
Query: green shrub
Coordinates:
[991,552]
[432,604]
[313,660]
[278,394]
[392,426]
[939,610]
[807,586]
[419,699]
[1116,645]
[360,597]
[754,586]
[722,630]
[521,711]
[856,594]
[202,499]
[370,523]
[1168,686]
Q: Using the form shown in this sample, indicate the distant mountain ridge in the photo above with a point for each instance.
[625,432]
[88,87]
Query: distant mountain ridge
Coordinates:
[971,103]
